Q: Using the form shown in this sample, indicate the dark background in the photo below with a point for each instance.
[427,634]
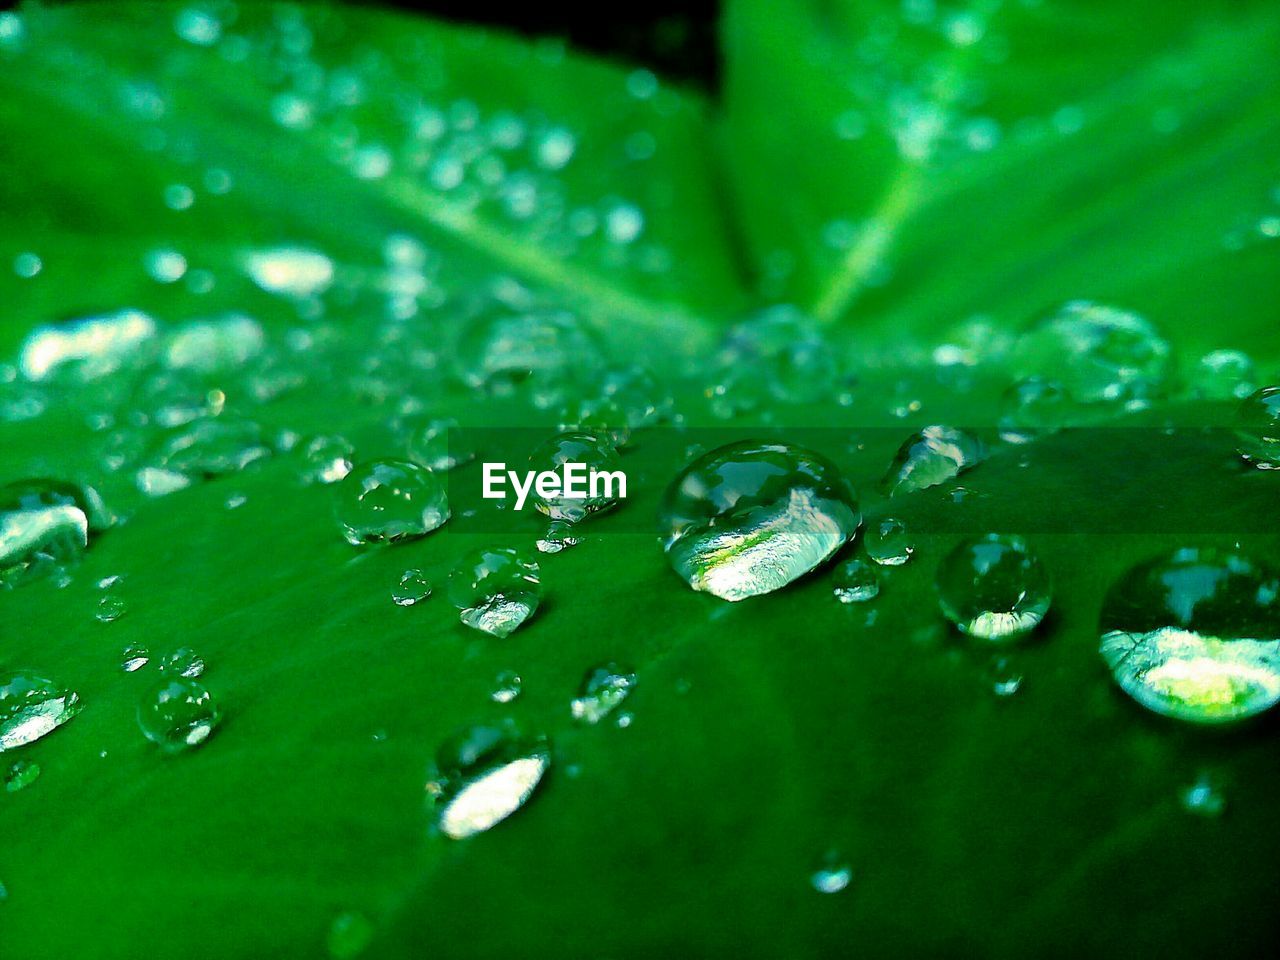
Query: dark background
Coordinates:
[674,38]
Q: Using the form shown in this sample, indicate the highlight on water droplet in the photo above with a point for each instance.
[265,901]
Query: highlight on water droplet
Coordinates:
[45,524]
[855,581]
[482,776]
[495,590]
[1195,635]
[32,706]
[91,346]
[832,874]
[750,517]
[993,587]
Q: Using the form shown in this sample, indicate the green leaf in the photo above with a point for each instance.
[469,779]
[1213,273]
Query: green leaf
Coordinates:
[996,159]
[762,735]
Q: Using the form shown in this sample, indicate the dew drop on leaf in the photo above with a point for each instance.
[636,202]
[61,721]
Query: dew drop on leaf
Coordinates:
[888,542]
[90,347]
[593,454]
[495,590]
[832,874]
[603,690]
[994,587]
[32,706]
[21,773]
[482,776]
[412,587]
[930,457]
[507,687]
[749,518]
[178,714]
[46,524]
[855,581]
[1195,635]
[1258,429]
[388,500]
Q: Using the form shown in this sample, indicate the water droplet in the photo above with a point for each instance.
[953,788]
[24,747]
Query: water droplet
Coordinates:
[482,776]
[45,524]
[1098,353]
[994,587]
[749,518]
[412,587]
[832,875]
[110,608]
[32,706]
[1195,635]
[165,266]
[1224,374]
[1033,406]
[1003,678]
[91,347]
[888,542]
[178,714]
[206,448]
[328,459]
[438,444]
[226,343]
[290,271]
[496,590]
[559,535]
[183,662]
[505,348]
[599,416]
[134,657]
[1202,798]
[603,689]
[197,26]
[1258,429]
[596,471]
[349,934]
[21,773]
[777,353]
[855,581]
[930,457]
[506,687]
[388,500]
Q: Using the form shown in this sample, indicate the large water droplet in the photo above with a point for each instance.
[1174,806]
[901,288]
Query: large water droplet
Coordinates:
[32,706]
[749,518]
[482,776]
[1196,635]
[603,689]
[387,500]
[930,457]
[178,714]
[1258,429]
[597,471]
[1098,353]
[993,588]
[92,346]
[495,590]
[44,524]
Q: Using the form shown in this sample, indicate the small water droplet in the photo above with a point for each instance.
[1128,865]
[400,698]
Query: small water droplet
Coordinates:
[832,874]
[328,459]
[388,500]
[507,687]
[183,662]
[91,347]
[749,518]
[110,608]
[1003,678]
[855,581]
[603,689]
[21,773]
[178,714]
[32,706]
[888,542]
[1195,635]
[412,587]
[598,473]
[994,587]
[1202,798]
[1223,375]
[496,590]
[438,444]
[560,535]
[134,657]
